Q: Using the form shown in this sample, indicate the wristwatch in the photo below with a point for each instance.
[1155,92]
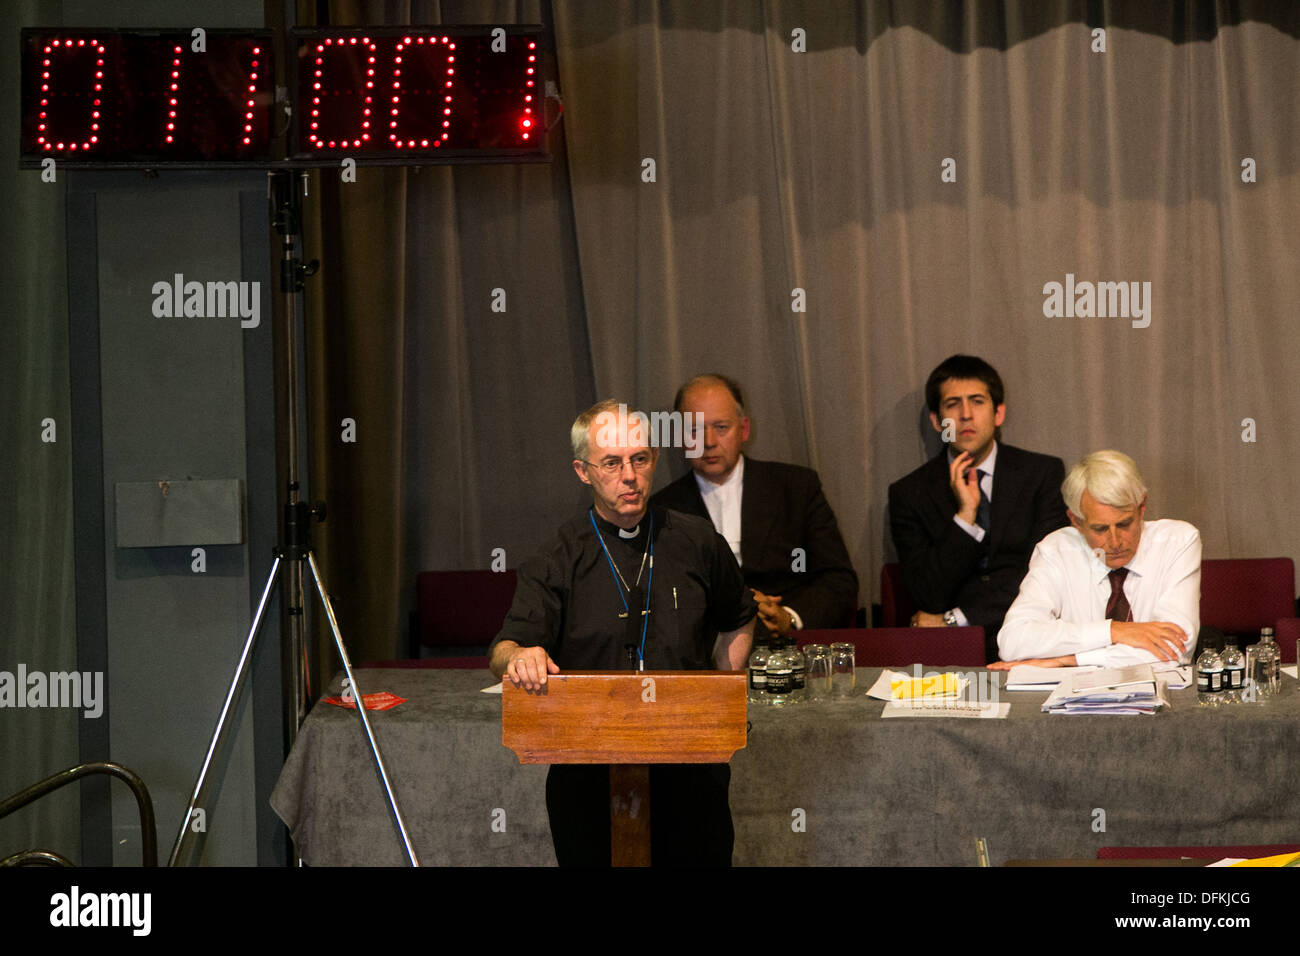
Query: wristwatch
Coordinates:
[950,618]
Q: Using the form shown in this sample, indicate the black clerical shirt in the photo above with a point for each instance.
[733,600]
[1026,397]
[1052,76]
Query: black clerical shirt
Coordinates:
[568,598]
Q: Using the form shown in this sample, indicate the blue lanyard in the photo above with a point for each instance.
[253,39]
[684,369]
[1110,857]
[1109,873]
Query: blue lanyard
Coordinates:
[618,584]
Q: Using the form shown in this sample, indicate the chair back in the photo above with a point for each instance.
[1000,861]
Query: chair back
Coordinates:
[462,608]
[896,607]
[1241,595]
[1285,634]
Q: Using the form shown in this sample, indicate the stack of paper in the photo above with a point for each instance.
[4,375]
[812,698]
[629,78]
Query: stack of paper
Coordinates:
[1128,690]
[1028,677]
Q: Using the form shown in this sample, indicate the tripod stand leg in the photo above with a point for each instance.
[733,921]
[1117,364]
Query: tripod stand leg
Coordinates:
[361,710]
[236,684]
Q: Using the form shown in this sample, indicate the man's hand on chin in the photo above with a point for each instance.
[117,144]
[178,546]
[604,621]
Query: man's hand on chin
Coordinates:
[1065,661]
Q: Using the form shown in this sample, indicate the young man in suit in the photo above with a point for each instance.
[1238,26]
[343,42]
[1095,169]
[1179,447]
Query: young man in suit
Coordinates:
[966,522]
[773,515]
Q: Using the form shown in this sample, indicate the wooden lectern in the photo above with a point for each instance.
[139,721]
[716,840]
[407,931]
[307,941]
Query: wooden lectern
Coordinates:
[628,719]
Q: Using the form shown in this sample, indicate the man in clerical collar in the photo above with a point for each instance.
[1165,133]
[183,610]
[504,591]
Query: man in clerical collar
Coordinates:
[965,523]
[628,586]
[774,516]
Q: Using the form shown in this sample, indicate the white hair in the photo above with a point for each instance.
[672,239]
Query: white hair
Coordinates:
[626,424]
[1111,477]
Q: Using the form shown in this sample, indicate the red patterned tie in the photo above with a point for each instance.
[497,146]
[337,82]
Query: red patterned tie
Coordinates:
[1117,608]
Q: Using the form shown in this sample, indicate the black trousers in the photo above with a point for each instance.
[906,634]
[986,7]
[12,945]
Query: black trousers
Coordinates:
[690,816]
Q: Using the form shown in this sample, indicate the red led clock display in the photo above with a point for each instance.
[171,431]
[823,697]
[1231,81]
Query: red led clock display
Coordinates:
[395,95]
[418,92]
[106,96]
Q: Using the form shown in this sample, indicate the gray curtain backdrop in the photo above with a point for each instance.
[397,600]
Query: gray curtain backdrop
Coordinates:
[775,170]
[822,170]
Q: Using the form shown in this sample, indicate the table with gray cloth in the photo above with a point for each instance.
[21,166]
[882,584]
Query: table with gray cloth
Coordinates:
[819,783]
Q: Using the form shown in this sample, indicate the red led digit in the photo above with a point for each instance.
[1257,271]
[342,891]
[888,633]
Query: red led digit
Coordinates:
[320,136]
[529,87]
[47,133]
[172,95]
[248,104]
[441,67]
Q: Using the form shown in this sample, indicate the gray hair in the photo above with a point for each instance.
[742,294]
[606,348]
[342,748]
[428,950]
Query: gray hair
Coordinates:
[1111,477]
[581,431]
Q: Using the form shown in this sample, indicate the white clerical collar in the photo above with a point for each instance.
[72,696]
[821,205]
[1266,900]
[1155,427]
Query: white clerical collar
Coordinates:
[987,464]
[625,533]
[734,480]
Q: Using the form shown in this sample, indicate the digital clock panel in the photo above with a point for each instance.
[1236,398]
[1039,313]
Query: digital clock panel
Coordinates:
[405,95]
[418,93]
[130,98]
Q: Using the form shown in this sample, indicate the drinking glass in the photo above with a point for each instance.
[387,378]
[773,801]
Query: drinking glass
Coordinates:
[843,661]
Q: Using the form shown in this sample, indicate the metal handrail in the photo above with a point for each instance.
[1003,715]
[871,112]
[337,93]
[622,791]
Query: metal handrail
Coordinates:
[148,833]
[37,858]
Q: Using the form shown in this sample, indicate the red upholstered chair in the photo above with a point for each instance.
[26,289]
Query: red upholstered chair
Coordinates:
[900,646]
[1286,632]
[1194,852]
[896,607]
[1241,595]
[461,610]
[457,615]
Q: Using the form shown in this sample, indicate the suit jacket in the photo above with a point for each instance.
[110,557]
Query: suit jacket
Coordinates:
[941,562]
[783,508]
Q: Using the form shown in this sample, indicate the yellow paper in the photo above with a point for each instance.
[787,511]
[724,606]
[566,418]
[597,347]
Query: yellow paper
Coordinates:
[937,685]
[1282,859]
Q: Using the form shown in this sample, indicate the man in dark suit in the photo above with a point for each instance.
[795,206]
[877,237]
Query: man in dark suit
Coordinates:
[773,515]
[965,523]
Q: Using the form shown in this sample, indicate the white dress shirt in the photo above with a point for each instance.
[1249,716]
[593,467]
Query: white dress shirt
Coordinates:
[723,504]
[1061,607]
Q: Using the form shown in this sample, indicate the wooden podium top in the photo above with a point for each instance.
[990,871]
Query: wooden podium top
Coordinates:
[627,717]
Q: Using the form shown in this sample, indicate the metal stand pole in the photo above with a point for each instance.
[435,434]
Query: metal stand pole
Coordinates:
[295,538]
[361,709]
[236,685]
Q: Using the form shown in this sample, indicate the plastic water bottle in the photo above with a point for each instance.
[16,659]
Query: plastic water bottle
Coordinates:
[1209,678]
[798,671]
[758,674]
[1234,672]
[779,674]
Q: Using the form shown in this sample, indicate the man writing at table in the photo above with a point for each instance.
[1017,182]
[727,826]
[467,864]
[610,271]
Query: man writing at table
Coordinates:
[1112,589]
[624,586]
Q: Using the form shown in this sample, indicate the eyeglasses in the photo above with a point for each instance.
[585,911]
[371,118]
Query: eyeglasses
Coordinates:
[611,466]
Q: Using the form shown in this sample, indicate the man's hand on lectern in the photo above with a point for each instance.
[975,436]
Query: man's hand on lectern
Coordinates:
[527,667]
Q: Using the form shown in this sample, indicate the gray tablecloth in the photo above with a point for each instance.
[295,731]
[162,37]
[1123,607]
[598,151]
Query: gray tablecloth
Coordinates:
[819,784]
